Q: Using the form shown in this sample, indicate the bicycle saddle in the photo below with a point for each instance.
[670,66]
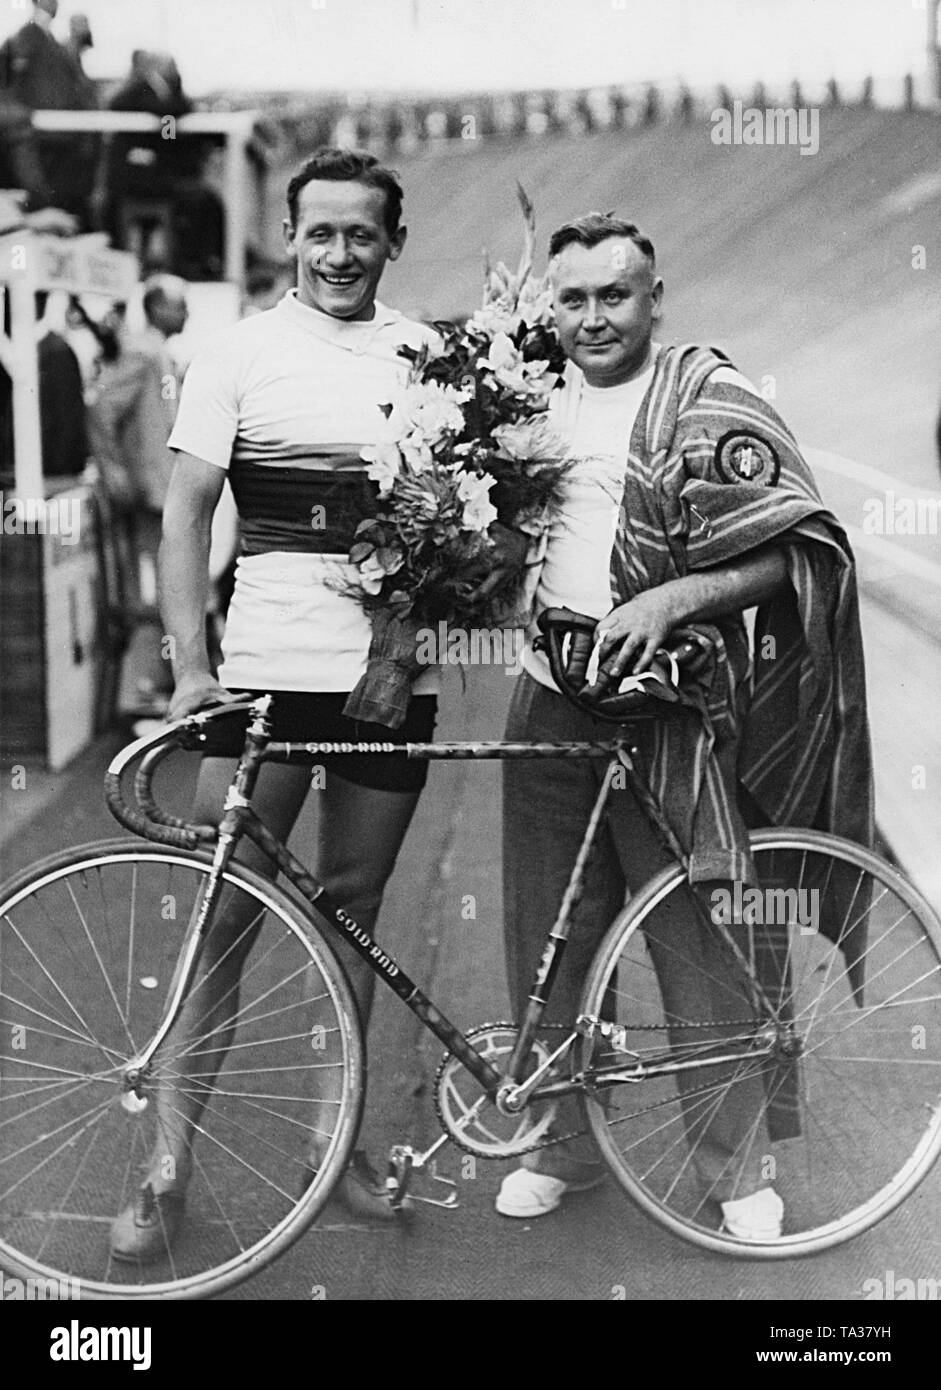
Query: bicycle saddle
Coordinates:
[568,639]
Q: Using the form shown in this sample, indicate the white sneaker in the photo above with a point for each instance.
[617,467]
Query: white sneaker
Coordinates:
[758,1217]
[526,1194]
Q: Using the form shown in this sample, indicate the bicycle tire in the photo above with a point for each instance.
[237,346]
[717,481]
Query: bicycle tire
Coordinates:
[274,1126]
[892,1130]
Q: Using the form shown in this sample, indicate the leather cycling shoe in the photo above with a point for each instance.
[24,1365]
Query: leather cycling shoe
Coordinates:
[146,1229]
[360,1191]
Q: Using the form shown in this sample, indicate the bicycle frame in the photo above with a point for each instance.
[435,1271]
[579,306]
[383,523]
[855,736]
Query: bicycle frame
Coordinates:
[238,819]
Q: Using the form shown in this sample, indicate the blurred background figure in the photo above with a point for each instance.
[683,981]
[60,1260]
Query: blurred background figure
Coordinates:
[34,67]
[38,73]
[21,168]
[157,205]
[78,42]
[131,411]
[62,422]
[61,401]
[266,282]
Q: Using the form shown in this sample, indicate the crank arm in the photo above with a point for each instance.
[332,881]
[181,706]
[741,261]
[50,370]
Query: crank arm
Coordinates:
[403,1163]
[520,1095]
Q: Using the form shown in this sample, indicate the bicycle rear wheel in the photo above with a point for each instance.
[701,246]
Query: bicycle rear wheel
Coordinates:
[89,940]
[843,1117]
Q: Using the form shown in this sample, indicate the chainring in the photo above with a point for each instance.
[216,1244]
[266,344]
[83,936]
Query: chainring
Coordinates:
[473,1121]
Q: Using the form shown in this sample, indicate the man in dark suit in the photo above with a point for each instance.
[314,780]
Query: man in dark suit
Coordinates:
[38,74]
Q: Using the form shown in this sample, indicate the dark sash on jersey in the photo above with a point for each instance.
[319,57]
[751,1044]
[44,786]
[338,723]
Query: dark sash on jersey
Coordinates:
[312,510]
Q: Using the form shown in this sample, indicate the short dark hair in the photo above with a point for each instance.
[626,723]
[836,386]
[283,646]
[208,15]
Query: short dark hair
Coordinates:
[596,227]
[159,289]
[354,166]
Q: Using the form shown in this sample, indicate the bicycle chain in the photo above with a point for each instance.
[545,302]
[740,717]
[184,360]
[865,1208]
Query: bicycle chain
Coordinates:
[566,1028]
[706,1089]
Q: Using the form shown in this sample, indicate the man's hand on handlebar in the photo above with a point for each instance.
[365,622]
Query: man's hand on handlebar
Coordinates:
[631,633]
[195,691]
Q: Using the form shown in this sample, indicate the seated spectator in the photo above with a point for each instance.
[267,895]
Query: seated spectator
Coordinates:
[20,164]
[37,73]
[159,174]
[34,68]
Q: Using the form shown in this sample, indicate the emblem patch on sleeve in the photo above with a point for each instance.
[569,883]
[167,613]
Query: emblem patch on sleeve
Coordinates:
[746,458]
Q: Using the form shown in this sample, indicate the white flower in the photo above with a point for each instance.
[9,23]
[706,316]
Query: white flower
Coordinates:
[429,410]
[474,492]
[535,302]
[416,450]
[498,317]
[502,355]
[385,463]
[529,440]
[505,362]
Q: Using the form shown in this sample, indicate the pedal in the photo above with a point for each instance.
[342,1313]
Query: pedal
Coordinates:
[404,1163]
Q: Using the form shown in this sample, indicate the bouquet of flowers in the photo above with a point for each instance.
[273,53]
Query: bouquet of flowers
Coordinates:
[469,473]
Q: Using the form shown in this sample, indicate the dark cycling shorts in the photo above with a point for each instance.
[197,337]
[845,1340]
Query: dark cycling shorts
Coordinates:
[303,717]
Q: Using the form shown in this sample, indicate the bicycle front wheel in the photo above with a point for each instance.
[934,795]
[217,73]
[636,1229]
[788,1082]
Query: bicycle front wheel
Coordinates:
[807,1060]
[256,1092]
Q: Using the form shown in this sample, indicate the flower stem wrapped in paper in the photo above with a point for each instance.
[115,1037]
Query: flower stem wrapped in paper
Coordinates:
[469,474]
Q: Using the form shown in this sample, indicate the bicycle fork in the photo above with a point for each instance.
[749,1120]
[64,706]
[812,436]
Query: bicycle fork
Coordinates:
[236,815]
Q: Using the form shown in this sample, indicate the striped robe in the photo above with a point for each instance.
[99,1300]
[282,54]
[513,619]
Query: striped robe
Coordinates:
[782,739]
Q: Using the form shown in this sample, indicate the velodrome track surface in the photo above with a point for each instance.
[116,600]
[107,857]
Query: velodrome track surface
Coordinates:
[798,266]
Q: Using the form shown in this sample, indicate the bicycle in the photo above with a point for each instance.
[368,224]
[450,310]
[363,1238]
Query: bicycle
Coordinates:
[101,949]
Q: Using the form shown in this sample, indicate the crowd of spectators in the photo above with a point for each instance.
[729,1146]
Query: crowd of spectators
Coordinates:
[107,404]
[143,188]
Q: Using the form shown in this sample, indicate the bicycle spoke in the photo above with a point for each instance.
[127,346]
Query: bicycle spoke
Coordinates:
[68,1003]
[254,1095]
[75,1143]
[264,1042]
[242,1015]
[101,966]
[250,1167]
[48,1017]
[93,1136]
[870,948]
[855,1129]
[96,1113]
[75,1038]
[131,930]
[60,1095]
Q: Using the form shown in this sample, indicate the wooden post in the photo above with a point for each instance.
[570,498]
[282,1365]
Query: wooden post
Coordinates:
[236,211]
[19,272]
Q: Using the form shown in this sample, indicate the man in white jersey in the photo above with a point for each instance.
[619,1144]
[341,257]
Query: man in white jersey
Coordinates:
[607,298]
[282,405]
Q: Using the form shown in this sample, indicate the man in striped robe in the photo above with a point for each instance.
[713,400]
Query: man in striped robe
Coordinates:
[690,503]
